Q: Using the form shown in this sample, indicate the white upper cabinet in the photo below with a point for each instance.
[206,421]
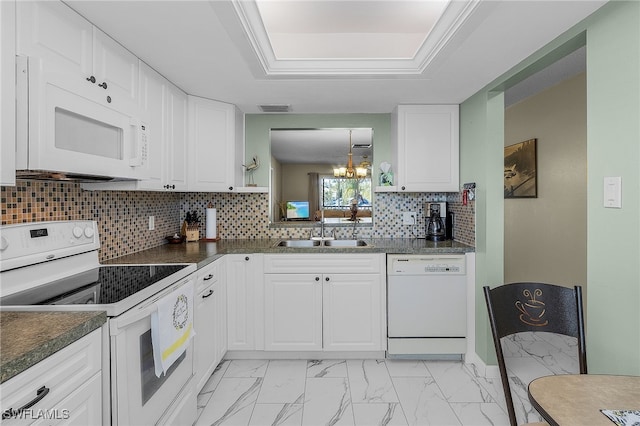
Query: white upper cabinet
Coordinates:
[115,68]
[176,161]
[216,147]
[7,93]
[69,45]
[425,146]
[212,145]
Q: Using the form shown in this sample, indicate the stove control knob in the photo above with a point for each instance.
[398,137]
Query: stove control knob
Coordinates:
[88,232]
[4,243]
[77,231]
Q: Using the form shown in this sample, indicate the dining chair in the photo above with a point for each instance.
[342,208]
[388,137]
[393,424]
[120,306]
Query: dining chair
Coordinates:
[530,306]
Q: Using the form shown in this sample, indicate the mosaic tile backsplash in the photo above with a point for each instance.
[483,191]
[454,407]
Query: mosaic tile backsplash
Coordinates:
[123,216]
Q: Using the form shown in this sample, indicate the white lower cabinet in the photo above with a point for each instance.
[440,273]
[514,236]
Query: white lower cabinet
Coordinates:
[71,382]
[293,312]
[245,302]
[338,304]
[210,321]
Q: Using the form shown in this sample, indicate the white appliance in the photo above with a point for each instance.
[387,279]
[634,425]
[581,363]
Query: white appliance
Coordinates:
[426,305]
[66,131]
[54,266]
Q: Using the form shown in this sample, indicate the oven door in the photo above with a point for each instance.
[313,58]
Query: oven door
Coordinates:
[137,395]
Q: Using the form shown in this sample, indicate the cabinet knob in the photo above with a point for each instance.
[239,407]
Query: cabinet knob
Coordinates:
[404,187]
[317,278]
[108,99]
[91,79]
[231,188]
[246,258]
[326,279]
[103,85]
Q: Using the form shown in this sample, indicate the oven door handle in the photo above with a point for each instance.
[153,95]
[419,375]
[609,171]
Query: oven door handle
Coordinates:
[144,310]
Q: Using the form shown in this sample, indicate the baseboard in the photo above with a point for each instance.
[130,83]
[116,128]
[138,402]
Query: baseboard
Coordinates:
[480,368]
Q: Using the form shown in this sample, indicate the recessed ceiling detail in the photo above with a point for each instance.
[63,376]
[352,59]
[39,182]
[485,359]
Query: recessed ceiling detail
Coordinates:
[320,37]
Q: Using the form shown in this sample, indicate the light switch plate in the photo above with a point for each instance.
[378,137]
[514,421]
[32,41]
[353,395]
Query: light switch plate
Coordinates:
[613,192]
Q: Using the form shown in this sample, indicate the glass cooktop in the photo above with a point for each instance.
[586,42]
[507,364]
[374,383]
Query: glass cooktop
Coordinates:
[103,286]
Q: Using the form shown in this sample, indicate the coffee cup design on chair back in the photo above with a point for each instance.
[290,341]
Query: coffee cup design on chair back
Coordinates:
[532,310]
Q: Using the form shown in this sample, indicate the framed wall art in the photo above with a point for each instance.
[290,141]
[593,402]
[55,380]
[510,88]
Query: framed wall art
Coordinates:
[520,170]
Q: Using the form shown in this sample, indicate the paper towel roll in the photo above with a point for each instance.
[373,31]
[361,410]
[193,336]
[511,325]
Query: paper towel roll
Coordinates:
[210,232]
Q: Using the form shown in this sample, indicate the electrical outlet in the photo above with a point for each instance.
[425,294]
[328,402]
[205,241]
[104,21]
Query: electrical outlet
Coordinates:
[408,218]
[152,223]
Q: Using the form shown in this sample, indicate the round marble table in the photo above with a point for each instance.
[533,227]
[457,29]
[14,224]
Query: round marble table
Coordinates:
[576,399]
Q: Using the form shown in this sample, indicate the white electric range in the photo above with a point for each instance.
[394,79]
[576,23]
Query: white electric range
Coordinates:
[54,266]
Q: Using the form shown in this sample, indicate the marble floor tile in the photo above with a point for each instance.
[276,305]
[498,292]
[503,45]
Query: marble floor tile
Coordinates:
[246,368]
[210,386]
[406,368]
[232,402]
[389,414]
[284,381]
[327,368]
[277,415]
[370,381]
[480,413]
[374,392]
[327,401]
[423,403]
[456,383]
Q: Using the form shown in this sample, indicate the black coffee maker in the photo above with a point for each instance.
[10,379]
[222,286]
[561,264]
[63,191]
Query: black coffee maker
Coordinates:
[439,223]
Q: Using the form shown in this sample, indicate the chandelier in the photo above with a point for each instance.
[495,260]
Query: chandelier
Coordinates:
[349,171]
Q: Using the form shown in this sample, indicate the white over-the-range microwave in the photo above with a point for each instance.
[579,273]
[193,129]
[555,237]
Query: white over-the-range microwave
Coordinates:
[66,131]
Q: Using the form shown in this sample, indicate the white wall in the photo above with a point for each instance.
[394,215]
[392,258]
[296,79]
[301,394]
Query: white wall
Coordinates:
[545,238]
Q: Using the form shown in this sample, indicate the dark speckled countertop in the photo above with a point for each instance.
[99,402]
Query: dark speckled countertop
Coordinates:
[203,253]
[29,337]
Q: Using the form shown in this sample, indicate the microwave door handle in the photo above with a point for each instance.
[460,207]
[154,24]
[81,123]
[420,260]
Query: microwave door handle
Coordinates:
[140,141]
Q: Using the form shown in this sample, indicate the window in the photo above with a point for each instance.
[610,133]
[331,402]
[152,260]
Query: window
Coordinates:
[338,192]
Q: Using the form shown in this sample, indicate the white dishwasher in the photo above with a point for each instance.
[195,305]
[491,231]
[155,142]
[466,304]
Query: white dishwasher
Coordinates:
[426,305]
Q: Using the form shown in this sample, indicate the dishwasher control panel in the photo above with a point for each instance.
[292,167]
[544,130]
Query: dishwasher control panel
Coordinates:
[426,265]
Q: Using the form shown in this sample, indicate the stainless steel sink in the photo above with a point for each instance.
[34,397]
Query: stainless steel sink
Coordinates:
[298,243]
[345,243]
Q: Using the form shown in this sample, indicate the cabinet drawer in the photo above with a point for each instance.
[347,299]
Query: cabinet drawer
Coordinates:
[323,263]
[62,373]
[208,276]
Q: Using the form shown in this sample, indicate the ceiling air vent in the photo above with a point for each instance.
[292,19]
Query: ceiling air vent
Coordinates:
[275,108]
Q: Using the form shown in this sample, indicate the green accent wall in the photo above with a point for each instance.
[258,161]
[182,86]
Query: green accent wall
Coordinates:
[612,37]
[258,126]
[613,149]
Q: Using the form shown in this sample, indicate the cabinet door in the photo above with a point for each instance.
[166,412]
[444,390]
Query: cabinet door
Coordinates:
[176,153]
[352,312]
[7,93]
[116,70]
[220,320]
[53,32]
[211,145]
[205,339]
[427,147]
[245,302]
[293,312]
[82,407]
[152,103]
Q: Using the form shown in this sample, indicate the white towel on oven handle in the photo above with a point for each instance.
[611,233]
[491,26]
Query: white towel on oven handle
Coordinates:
[172,327]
